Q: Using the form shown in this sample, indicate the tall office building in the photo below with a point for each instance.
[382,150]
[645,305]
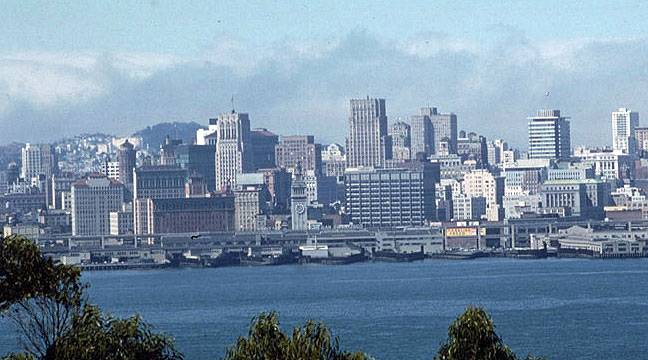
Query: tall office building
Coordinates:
[277,181]
[111,169]
[297,149]
[444,129]
[4,182]
[60,185]
[154,182]
[368,143]
[624,124]
[127,157]
[495,151]
[400,133]
[422,133]
[549,136]
[93,199]
[233,152]
[251,202]
[159,182]
[263,148]
[198,160]
[481,183]
[641,136]
[472,147]
[392,197]
[333,160]
[38,159]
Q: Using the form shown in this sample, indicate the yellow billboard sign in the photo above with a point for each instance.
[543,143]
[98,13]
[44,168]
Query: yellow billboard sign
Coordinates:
[461,232]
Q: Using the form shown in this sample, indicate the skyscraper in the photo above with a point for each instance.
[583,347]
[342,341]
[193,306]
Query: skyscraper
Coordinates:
[251,200]
[263,148]
[624,124]
[127,156]
[198,160]
[472,147]
[154,182]
[641,135]
[233,153]
[93,198]
[299,149]
[481,183]
[444,129]
[549,135]
[368,141]
[400,133]
[38,159]
[422,133]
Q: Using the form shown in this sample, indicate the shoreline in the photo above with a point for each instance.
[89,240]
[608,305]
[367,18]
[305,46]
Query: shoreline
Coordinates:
[431,258]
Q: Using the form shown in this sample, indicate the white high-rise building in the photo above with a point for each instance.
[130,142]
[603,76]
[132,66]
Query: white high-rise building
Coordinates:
[111,169]
[93,199]
[233,152]
[38,159]
[481,183]
[368,142]
[549,135]
[624,123]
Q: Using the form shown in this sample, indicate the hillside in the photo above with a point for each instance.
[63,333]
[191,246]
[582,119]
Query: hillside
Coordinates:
[154,135]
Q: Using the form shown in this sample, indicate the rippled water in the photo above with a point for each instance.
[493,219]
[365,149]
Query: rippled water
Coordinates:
[562,309]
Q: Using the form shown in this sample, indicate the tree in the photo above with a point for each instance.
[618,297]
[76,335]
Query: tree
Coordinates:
[266,341]
[472,337]
[47,303]
[97,336]
[39,297]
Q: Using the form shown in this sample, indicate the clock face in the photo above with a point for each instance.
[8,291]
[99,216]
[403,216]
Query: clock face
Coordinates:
[300,208]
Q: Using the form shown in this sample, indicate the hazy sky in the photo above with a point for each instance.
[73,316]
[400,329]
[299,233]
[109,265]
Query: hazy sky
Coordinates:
[117,66]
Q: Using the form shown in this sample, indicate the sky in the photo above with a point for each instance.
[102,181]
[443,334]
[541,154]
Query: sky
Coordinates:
[68,67]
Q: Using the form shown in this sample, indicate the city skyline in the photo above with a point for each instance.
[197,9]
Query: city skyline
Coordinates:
[366,168]
[63,76]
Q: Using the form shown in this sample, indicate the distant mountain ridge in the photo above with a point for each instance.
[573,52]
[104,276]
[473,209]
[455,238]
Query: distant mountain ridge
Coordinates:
[153,136]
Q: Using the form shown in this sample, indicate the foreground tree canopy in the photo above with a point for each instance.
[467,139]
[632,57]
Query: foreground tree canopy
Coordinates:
[47,304]
[25,274]
[472,337]
[266,341]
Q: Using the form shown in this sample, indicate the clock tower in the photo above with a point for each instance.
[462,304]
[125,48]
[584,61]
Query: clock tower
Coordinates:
[298,200]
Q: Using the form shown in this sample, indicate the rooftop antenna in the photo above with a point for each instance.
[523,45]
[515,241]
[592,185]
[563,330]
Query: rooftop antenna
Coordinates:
[233,111]
[546,99]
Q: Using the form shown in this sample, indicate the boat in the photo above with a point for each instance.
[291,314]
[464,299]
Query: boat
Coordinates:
[392,256]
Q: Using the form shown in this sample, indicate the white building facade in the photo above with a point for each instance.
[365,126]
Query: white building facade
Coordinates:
[624,124]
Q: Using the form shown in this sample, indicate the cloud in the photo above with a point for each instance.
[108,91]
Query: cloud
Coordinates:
[303,87]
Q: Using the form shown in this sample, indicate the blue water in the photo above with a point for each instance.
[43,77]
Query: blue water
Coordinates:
[562,309]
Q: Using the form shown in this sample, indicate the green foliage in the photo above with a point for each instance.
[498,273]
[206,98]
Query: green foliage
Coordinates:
[39,297]
[472,337]
[20,356]
[266,341]
[47,304]
[97,336]
[25,274]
